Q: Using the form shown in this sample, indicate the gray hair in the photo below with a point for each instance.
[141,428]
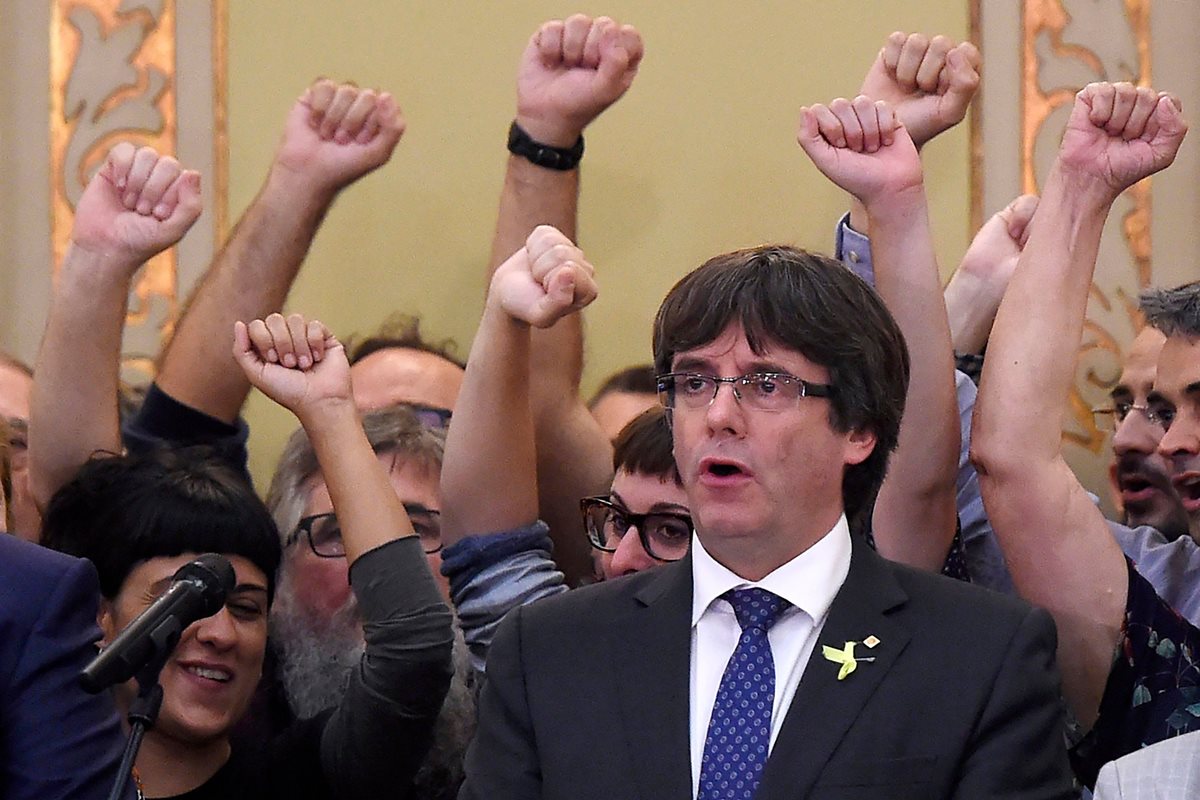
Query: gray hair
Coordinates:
[394,430]
[1175,312]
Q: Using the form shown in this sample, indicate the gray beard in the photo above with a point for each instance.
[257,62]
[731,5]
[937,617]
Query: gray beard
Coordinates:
[315,664]
[316,658]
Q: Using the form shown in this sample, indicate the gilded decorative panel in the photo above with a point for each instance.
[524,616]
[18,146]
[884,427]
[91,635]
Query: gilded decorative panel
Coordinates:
[116,72]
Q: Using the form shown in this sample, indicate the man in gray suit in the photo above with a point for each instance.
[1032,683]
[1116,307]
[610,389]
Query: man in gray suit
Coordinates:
[1169,770]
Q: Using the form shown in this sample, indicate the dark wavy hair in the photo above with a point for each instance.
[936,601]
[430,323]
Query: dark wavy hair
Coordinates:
[643,447]
[638,379]
[119,511]
[809,303]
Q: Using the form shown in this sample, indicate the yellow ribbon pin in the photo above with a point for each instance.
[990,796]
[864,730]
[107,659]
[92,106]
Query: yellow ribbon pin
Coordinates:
[845,657]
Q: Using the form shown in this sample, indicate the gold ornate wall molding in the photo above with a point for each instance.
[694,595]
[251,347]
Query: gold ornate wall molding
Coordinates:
[151,72]
[1037,55]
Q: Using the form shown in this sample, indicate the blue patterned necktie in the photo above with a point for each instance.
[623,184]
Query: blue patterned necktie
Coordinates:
[739,731]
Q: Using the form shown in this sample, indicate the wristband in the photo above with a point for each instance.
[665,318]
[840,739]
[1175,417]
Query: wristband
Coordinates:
[543,155]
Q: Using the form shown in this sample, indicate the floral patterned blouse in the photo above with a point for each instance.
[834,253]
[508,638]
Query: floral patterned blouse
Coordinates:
[1153,690]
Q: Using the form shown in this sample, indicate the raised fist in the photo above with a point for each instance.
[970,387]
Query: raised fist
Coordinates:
[337,133]
[297,363]
[1119,133]
[995,249]
[975,289]
[571,71]
[137,204]
[860,146]
[543,281]
[928,82]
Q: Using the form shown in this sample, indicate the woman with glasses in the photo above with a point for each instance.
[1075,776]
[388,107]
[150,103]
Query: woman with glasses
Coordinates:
[643,520]
[497,553]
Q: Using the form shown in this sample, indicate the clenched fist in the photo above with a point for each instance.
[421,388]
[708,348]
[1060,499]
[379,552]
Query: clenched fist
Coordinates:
[544,281]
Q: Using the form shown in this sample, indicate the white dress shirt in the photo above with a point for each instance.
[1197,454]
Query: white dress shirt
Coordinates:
[809,582]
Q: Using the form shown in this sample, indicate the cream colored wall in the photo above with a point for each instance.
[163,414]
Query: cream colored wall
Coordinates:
[699,158]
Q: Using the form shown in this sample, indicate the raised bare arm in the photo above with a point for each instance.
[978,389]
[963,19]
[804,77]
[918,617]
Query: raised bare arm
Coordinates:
[138,204]
[862,147]
[570,72]
[334,135]
[489,473]
[1057,545]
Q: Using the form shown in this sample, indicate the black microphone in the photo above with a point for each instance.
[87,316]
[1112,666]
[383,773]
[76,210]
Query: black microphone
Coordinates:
[197,590]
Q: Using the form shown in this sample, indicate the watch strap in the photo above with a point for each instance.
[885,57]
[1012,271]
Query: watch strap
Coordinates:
[522,144]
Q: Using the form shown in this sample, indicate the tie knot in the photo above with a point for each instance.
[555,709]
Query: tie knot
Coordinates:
[756,608]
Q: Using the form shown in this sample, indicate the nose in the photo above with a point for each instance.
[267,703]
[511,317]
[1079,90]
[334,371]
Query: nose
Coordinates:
[725,410]
[1136,434]
[219,630]
[629,557]
[1181,439]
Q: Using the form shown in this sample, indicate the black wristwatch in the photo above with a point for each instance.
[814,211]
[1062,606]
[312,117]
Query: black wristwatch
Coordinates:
[560,158]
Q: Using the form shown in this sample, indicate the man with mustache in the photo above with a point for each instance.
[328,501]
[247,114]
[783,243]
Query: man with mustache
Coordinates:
[1140,477]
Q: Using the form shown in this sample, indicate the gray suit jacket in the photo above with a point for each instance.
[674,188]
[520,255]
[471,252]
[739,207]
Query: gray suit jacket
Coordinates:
[587,696]
[1169,770]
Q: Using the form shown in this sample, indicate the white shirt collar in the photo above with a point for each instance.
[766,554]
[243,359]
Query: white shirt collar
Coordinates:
[809,581]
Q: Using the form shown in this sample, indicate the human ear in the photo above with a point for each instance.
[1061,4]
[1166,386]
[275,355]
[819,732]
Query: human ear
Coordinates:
[860,443]
[105,619]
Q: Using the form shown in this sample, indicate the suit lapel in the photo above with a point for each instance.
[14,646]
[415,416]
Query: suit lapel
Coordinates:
[824,708]
[651,650]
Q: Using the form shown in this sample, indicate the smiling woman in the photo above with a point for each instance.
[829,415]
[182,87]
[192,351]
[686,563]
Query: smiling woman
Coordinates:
[139,518]
[170,507]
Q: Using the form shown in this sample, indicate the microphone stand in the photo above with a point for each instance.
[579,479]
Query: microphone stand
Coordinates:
[143,711]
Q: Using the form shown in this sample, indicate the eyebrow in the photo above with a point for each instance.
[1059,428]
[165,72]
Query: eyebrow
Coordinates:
[1190,390]
[659,506]
[695,364]
[691,364]
[1120,391]
[160,586]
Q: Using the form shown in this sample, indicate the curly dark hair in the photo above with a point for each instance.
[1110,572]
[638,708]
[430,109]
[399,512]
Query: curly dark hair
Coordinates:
[401,330]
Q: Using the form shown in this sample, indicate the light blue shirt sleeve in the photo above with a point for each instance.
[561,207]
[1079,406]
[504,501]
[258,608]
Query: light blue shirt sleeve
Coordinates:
[985,561]
[1172,568]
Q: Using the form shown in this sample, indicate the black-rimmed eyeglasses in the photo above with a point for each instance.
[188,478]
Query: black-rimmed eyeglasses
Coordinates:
[665,535]
[761,391]
[324,534]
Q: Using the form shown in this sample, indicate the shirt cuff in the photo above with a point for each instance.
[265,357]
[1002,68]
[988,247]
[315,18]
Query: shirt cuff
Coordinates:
[467,557]
[853,249]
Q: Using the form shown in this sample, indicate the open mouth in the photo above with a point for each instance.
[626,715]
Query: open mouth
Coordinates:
[1135,488]
[210,673]
[722,471]
[1188,486]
